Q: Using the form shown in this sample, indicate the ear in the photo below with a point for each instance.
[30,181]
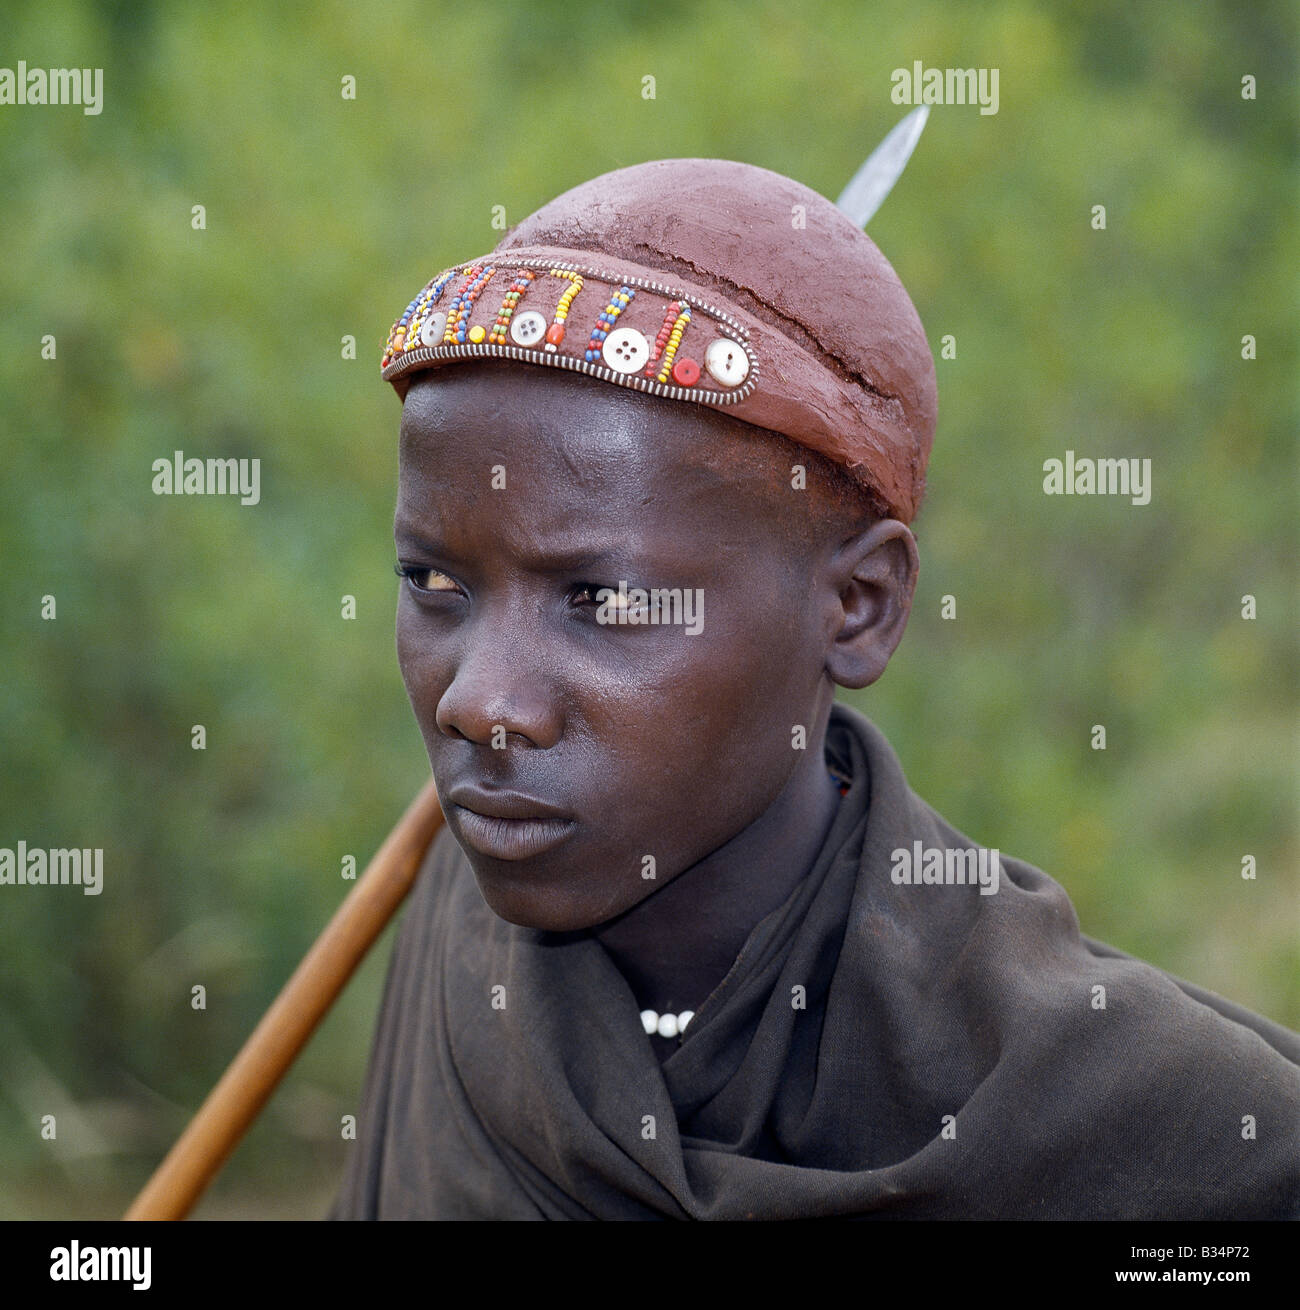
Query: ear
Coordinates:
[874,574]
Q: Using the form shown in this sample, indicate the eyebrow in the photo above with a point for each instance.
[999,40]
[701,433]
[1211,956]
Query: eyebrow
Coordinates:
[405,536]
[579,559]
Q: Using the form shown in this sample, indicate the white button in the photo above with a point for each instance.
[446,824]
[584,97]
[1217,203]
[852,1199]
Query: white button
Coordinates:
[528,328]
[626,350]
[667,1025]
[432,328]
[649,1021]
[727,362]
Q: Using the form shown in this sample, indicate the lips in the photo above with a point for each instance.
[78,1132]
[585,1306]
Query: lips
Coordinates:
[506,825]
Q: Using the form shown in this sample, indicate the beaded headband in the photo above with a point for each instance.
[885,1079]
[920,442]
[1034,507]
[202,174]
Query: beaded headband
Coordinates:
[708,282]
[534,320]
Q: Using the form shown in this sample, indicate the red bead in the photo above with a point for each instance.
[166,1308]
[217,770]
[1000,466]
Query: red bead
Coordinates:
[686,372]
[555,333]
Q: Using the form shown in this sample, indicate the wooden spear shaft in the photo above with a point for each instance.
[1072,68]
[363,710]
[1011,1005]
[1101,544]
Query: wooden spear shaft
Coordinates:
[253,1075]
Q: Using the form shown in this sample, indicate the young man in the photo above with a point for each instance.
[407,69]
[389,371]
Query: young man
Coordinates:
[690,947]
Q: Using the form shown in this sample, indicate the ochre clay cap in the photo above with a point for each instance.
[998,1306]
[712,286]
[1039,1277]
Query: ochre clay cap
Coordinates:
[711,282]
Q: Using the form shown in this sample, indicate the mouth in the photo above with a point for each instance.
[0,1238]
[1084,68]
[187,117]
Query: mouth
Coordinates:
[506,825]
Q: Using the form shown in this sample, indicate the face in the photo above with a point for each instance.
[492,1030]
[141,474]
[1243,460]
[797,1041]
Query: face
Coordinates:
[570,752]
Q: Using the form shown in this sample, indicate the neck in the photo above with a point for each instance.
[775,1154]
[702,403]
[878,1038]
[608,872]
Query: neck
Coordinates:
[677,945]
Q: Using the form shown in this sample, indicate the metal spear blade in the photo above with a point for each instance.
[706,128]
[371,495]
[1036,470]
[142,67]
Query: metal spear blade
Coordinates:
[876,178]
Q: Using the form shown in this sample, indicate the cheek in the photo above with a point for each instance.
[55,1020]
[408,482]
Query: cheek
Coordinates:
[424,663]
[720,719]
[762,657]
[408,648]
[412,655]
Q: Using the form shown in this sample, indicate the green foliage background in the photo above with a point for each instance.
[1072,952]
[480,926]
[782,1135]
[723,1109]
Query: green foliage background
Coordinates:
[323,218]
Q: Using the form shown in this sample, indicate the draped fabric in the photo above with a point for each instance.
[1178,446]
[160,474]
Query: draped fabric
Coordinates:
[877,1050]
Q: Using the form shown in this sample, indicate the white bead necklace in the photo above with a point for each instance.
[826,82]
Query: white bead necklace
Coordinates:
[666,1025]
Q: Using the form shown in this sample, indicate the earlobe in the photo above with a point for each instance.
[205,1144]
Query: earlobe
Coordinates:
[875,574]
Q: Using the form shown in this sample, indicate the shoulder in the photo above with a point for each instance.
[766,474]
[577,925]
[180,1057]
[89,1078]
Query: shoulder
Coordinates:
[1282,1040]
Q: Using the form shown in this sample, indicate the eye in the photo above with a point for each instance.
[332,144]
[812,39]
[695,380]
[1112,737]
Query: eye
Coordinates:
[589,593]
[613,602]
[425,579]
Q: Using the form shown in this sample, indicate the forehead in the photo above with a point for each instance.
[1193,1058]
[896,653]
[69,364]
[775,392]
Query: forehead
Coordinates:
[572,450]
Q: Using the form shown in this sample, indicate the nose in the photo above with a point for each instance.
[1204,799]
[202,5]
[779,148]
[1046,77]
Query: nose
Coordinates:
[499,687]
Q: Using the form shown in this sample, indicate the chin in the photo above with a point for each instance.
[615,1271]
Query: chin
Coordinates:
[535,903]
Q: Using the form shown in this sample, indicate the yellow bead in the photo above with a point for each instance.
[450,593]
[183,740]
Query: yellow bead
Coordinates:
[476,334]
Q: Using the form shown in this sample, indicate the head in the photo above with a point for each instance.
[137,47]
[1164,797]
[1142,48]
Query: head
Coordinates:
[525,491]
[761,450]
